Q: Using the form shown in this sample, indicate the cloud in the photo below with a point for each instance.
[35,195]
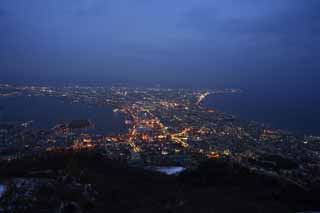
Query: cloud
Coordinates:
[289,17]
[211,37]
[90,7]
[282,31]
[3,12]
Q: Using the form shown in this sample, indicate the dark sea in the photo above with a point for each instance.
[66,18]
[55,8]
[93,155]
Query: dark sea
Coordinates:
[46,112]
[295,113]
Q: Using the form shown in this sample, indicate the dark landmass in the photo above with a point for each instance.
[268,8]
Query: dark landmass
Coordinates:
[88,182]
[79,124]
[274,162]
[6,126]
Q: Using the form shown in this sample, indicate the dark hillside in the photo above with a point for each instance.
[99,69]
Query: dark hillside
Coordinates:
[86,182]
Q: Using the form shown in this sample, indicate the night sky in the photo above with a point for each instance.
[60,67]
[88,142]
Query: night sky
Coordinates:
[269,44]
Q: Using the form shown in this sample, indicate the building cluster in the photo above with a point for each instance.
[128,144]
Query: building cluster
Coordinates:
[167,127]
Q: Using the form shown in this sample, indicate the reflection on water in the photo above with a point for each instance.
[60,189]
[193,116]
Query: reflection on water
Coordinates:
[169,170]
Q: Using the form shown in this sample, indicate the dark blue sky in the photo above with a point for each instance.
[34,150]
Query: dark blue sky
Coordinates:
[209,43]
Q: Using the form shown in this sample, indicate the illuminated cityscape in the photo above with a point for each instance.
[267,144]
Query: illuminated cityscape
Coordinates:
[166,127]
[159,106]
